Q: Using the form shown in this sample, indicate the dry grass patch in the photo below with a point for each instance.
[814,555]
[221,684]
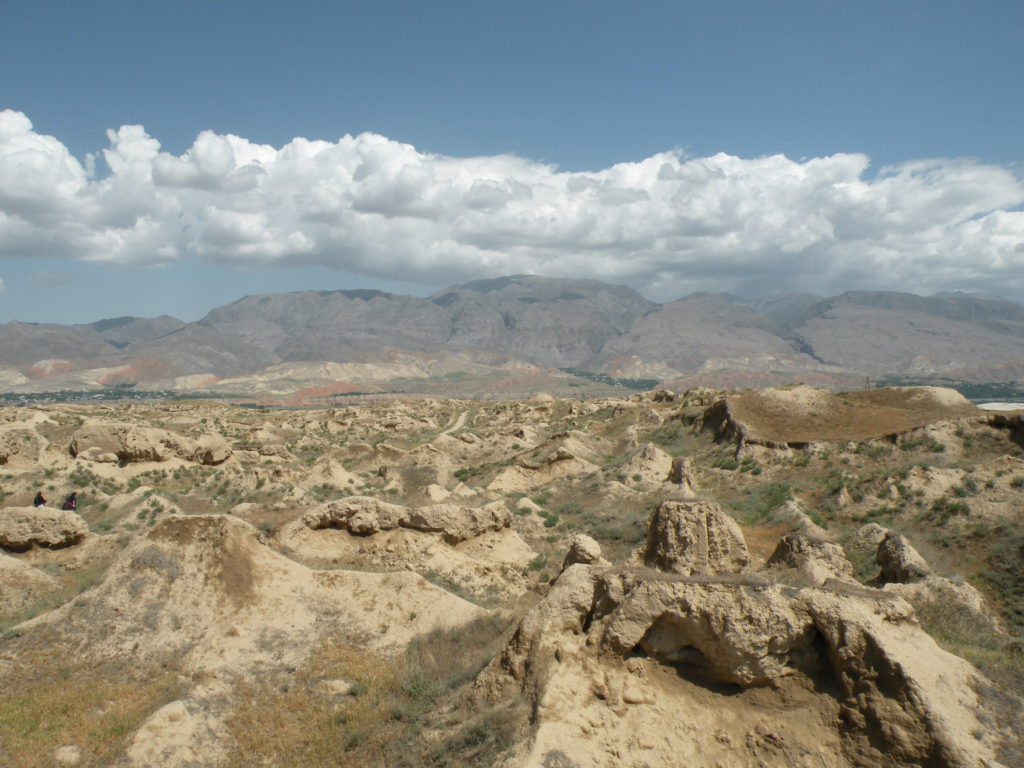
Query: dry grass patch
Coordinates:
[411,709]
[954,630]
[94,709]
[1002,691]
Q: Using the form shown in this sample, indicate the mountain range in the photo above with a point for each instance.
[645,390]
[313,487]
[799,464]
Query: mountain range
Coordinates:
[524,326]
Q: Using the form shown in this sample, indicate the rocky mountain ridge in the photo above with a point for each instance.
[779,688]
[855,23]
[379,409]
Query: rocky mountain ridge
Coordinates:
[503,327]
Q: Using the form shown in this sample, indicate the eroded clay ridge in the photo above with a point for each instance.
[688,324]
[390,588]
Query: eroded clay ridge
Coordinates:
[704,662]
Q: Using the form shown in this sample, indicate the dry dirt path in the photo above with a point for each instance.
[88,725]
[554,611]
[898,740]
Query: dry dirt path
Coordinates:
[459,422]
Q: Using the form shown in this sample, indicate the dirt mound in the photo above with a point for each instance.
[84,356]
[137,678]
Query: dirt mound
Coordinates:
[529,474]
[125,443]
[471,549]
[22,585]
[202,595]
[928,399]
[204,588]
[802,415]
[795,514]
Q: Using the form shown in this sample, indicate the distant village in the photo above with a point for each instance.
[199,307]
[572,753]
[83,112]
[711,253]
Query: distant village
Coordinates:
[117,394]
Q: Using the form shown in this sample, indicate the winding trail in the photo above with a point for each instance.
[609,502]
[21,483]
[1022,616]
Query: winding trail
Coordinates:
[459,422]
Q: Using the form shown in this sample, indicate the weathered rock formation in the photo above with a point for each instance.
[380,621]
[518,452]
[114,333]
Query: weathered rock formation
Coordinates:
[691,653]
[583,550]
[906,573]
[366,515]
[20,446]
[125,443]
[688,537]
[900,562]
[24,527]
[22,585]
[629,667]
[681,474]
[474,547]
[649,467]
[816,560]
[865,540]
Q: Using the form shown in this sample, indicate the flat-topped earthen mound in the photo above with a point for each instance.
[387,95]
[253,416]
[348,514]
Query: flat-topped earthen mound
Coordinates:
[804,414]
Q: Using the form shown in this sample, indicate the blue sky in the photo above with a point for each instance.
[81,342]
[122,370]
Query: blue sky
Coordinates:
[630,142]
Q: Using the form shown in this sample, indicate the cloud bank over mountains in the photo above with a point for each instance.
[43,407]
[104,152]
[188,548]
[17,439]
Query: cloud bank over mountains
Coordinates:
[667,225]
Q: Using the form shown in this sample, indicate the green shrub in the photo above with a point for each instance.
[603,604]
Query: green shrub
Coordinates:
[760,501]
[550,518]
[539,562]
[943,509]
[876,513]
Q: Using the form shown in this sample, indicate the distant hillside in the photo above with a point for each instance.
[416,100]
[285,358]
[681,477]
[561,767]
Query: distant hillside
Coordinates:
[885,333]
[549,321]
[493,328]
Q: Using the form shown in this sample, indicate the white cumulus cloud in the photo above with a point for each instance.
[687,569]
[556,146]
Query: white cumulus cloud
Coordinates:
[668,224]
